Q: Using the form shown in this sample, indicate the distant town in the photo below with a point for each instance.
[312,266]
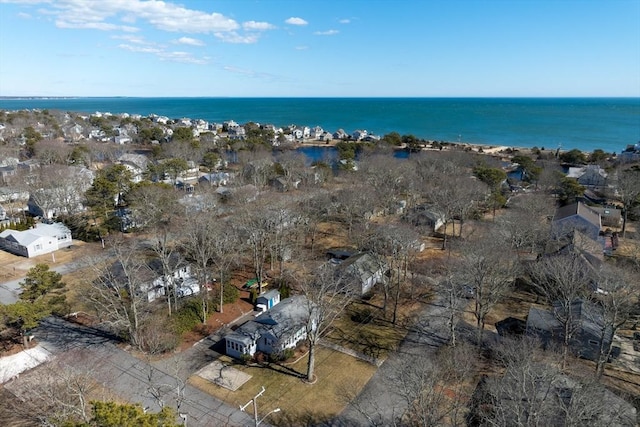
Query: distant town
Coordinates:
[198,273]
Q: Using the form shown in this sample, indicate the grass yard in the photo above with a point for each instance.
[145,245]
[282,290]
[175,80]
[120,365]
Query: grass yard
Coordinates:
[361,329]
[338,375]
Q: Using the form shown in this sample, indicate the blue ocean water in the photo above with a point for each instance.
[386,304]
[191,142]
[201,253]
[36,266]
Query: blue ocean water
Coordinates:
[584,123]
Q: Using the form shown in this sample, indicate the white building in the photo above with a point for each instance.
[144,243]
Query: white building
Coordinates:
[43,239]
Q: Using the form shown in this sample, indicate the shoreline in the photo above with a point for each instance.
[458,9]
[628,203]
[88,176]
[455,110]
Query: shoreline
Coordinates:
[559,122]
[488,149]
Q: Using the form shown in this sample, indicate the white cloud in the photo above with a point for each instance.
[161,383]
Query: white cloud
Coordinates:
[102,26]
[119,15]
[189,41]
[345,21]
[160,14]
[25,1]
[233,37]
[164,55]
[296,21]
[257,26]
[131,39]
[326,33]
[184,57]
[140,49]
[301,47]
[24,15]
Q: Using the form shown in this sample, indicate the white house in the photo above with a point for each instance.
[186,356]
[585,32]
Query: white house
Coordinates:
[43,239]
[283,326]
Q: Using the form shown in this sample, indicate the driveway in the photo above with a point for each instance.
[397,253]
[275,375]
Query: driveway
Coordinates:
[136,380]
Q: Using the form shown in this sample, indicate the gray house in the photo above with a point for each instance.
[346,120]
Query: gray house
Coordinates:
[277,329]
[425,216]
[576,216]
[587,324]
[362,270]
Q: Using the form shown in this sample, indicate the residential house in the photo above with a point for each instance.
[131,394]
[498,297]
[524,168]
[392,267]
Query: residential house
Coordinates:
[217,179]
[586,322]
[340,134]
[280,183]
[631,154]
[282,327]
[358,135]
[73,133]
[326,136]
[576,216]
[43,239]
[237,133]
[64,195]
[136,164]
[6,172]
[316,133]
[13,195]
[362,270]
[122,139]
[425,216]
[590,176]
[297,133]
[155,282]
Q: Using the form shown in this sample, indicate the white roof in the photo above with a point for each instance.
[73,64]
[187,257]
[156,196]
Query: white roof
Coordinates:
[25,238]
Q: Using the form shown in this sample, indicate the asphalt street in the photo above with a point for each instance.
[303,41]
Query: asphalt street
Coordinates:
[136,380]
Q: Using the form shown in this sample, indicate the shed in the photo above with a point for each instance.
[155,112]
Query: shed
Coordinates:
[268,299]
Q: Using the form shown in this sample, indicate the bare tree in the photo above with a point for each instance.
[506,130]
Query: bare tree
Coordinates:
[532,391]
[57,189]
[255,230]
[398,244]
[618,292]
[526,222]
[326,297]
[155,207]
[489,271]
[436,389]
[628,185]
[563,279]
[119,293]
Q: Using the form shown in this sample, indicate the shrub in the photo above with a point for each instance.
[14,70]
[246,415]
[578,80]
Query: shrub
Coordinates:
[188,316]
[283,355]
[231,294]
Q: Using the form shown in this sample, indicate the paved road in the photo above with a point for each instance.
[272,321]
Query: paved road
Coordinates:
[136,380]
[377,404]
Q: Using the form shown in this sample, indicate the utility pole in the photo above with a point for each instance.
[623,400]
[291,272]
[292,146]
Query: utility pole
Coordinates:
[256,420]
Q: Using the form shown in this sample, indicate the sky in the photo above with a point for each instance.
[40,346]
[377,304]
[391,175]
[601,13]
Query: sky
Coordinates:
[320,48]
